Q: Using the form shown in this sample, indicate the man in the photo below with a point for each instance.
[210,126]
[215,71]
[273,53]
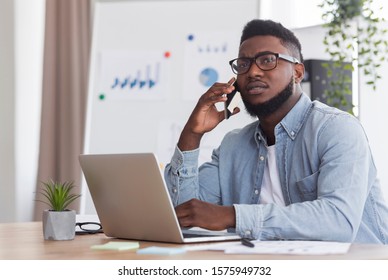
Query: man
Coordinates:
[302,171]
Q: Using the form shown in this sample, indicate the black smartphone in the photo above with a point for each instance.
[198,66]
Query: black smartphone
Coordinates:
[233,99]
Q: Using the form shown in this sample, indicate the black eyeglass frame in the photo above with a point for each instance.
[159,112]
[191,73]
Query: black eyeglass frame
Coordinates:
[254,59]
[89,231]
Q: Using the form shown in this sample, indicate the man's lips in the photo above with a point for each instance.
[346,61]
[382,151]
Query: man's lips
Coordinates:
[256,87]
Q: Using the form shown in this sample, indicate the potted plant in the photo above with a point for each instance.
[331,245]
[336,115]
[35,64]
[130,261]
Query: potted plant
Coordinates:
[58,220]
[354,37]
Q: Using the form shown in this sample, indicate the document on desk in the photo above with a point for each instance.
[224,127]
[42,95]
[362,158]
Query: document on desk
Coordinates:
[291,248]
[279,247]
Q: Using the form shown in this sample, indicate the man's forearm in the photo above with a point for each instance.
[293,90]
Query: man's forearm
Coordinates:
[189,141]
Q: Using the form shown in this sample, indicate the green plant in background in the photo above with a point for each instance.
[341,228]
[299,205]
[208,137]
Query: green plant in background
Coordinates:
[58,195]
[353,35]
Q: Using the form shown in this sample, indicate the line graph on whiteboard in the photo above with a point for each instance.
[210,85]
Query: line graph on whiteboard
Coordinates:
[133,75]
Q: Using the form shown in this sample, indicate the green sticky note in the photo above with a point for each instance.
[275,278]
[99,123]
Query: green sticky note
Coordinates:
[116,245]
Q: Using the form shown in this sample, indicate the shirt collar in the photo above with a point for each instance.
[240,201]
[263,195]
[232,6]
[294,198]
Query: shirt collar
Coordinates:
[294,120]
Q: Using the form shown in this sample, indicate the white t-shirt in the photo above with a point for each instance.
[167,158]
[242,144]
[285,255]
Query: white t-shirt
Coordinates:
[271,191]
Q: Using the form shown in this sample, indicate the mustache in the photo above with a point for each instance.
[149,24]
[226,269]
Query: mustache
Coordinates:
[269,107]
[257,83]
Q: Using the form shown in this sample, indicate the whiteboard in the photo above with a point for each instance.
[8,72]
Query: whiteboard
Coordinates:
[150,62]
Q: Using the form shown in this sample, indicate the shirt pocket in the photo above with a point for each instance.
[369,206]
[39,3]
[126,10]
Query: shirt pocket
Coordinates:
[308,187]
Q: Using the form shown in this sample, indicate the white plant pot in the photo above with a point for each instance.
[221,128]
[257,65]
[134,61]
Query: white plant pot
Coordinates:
[59,225]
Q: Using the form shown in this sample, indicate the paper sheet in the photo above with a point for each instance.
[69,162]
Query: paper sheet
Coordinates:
[277,247]
[291,248]
[155,250]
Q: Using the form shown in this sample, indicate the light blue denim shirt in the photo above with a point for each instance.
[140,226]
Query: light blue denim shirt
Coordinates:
[327,174]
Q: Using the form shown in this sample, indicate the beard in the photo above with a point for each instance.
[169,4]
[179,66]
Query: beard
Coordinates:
[267,108]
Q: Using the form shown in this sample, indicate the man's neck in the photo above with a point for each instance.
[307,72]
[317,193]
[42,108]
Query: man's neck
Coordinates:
[269,122]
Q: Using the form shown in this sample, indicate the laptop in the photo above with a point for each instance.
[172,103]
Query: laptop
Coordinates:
[132,200]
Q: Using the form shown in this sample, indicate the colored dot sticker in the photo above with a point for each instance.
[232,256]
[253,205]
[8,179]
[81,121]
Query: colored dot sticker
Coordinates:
[101,96]
[167,54]
[190,37]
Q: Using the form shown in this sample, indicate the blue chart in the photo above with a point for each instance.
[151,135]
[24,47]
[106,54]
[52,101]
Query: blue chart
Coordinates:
[208,76]
[133,75]
[140,81]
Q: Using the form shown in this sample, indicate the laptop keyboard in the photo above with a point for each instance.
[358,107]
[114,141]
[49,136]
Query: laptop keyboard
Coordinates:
[191,235]
[201,233]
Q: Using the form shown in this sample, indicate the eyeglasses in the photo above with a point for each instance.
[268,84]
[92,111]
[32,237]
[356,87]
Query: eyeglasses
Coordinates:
[265,61]
[88,228]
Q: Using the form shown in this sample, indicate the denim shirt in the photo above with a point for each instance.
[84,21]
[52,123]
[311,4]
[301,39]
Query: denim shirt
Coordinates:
[327,174]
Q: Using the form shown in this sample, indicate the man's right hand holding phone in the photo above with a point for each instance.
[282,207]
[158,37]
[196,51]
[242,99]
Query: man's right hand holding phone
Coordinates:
[232,101]
[205,116]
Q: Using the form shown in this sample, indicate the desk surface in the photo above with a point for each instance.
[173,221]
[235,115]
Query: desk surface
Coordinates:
[24,241]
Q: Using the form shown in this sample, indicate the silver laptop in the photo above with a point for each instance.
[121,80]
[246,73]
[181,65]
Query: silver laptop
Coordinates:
[132,200]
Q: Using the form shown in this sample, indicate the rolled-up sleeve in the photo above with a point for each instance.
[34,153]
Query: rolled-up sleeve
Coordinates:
[181,176]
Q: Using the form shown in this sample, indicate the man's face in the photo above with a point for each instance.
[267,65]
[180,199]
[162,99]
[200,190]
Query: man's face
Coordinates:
[263,92]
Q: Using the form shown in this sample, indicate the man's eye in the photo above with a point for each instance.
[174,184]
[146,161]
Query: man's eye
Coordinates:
[268,59]
[243,64]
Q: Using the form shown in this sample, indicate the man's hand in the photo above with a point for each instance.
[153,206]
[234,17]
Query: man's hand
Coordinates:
[205,116]
[197,213]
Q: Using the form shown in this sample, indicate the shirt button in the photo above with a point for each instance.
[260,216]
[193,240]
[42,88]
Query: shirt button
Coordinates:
[261,158]
[174,190]
[248,232]
[256,191]
[292,133]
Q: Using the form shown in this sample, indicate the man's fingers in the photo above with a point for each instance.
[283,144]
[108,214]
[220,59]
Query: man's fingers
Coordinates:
[219,89]
[184,217]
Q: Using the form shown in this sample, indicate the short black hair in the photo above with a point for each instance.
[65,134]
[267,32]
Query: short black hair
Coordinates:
[259,27]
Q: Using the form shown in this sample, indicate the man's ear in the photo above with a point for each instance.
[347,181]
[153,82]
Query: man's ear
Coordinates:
[298,72]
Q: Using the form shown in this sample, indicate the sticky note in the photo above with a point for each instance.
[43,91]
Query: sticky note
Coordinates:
[154,250]
[116,245]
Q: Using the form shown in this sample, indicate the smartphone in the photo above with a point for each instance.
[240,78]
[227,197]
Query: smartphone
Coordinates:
[233,99]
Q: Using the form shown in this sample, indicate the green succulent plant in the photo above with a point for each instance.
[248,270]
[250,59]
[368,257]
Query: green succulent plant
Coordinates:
[58,194]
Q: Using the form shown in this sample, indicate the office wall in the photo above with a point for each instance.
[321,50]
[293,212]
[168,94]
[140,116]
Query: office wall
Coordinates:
[29,39]
[7,118]
[292,13]
[21,50]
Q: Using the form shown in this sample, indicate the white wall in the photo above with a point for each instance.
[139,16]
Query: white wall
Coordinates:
[292,13]
[29,39]
[7,120]
[21,53]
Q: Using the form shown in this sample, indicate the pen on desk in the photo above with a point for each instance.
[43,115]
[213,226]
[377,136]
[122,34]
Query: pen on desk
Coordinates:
[247,242]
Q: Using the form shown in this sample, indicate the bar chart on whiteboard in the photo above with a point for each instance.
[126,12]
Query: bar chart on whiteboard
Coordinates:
[133,75]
